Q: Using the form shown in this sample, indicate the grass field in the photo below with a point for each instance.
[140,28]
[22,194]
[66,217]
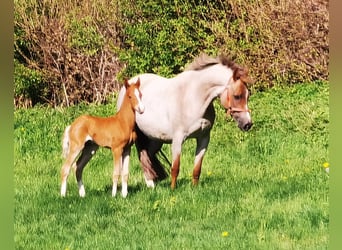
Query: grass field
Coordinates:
[264,189]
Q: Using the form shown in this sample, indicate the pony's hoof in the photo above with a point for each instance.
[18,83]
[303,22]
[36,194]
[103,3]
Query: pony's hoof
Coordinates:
[150,183]
[81,191]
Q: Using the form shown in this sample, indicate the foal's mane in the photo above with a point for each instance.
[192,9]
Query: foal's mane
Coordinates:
[203,61]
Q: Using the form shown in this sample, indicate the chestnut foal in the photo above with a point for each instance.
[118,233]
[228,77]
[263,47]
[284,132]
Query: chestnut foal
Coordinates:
[87,133]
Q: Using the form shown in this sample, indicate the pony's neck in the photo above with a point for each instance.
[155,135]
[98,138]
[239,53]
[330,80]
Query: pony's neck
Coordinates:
[214,77]
[209,83]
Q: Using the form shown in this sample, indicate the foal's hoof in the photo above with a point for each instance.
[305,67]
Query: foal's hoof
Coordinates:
[124,194]
[63,189]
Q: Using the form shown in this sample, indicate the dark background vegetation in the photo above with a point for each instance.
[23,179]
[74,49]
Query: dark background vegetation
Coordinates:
[68,51]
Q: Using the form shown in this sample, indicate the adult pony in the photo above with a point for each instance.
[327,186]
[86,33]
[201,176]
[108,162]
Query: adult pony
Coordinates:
[182,107]
[116,132]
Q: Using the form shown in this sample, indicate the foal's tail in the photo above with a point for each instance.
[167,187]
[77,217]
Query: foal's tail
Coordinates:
[153,168]
[65,143]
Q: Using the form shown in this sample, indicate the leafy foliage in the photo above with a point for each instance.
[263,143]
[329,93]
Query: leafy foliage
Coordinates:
[29,88]
[84,49]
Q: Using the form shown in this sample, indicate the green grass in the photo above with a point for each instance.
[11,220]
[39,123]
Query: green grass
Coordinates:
[264,189]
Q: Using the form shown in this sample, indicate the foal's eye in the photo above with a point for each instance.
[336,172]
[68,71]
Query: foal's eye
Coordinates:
[237,97]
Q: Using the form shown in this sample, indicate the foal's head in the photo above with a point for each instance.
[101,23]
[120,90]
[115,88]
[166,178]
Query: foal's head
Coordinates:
[134,96]
[235,98]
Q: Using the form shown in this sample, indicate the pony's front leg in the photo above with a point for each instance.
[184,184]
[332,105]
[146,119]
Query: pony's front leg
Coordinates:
[87,153]
[176,152]
[117,154]
[125,170]
[202,144]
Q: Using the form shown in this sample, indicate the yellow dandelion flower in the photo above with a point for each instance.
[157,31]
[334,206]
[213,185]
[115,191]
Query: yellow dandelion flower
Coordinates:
[326,164]
[156,204]
[224,234]
[209,173]
[173,200]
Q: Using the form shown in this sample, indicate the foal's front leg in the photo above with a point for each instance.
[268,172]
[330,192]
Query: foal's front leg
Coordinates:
[125,170]
[117,154]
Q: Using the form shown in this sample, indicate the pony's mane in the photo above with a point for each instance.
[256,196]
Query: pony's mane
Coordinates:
[203,61]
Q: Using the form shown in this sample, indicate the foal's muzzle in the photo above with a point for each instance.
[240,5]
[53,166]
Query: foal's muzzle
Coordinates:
[140,109]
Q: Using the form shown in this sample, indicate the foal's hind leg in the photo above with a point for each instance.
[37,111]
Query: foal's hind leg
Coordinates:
[87,153]
[73,153]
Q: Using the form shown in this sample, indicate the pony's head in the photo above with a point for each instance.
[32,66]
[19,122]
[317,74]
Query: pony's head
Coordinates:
[134,95]
[235,98]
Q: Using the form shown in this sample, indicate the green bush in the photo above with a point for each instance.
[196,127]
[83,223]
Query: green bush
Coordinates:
[28,85]
[84,49]
[161,37]
[83,36]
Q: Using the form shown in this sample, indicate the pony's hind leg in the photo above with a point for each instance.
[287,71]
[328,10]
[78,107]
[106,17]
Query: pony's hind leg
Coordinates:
[151,166]
[87,153]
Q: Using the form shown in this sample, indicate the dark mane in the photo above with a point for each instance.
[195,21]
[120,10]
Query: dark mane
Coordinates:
[203,61]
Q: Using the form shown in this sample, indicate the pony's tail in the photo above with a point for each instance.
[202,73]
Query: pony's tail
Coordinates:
[150,164]
[65,142]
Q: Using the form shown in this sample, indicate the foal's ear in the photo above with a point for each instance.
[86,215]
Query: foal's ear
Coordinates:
[126,83]
[138,83]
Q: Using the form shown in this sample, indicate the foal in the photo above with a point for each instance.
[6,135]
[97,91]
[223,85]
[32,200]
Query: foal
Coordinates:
[116,132]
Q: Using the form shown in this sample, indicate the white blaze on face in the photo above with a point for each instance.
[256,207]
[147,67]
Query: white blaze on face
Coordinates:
[248,114]
[140,107]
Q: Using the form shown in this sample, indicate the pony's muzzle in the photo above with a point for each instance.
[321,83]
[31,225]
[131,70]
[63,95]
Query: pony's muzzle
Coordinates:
[247,126]
[243,120]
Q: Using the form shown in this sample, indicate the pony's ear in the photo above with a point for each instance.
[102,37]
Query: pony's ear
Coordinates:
[248,80]
[238,73]
[242,73]
[126,83]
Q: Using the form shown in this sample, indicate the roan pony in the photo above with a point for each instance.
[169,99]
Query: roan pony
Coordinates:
[116,132]
[181,107]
